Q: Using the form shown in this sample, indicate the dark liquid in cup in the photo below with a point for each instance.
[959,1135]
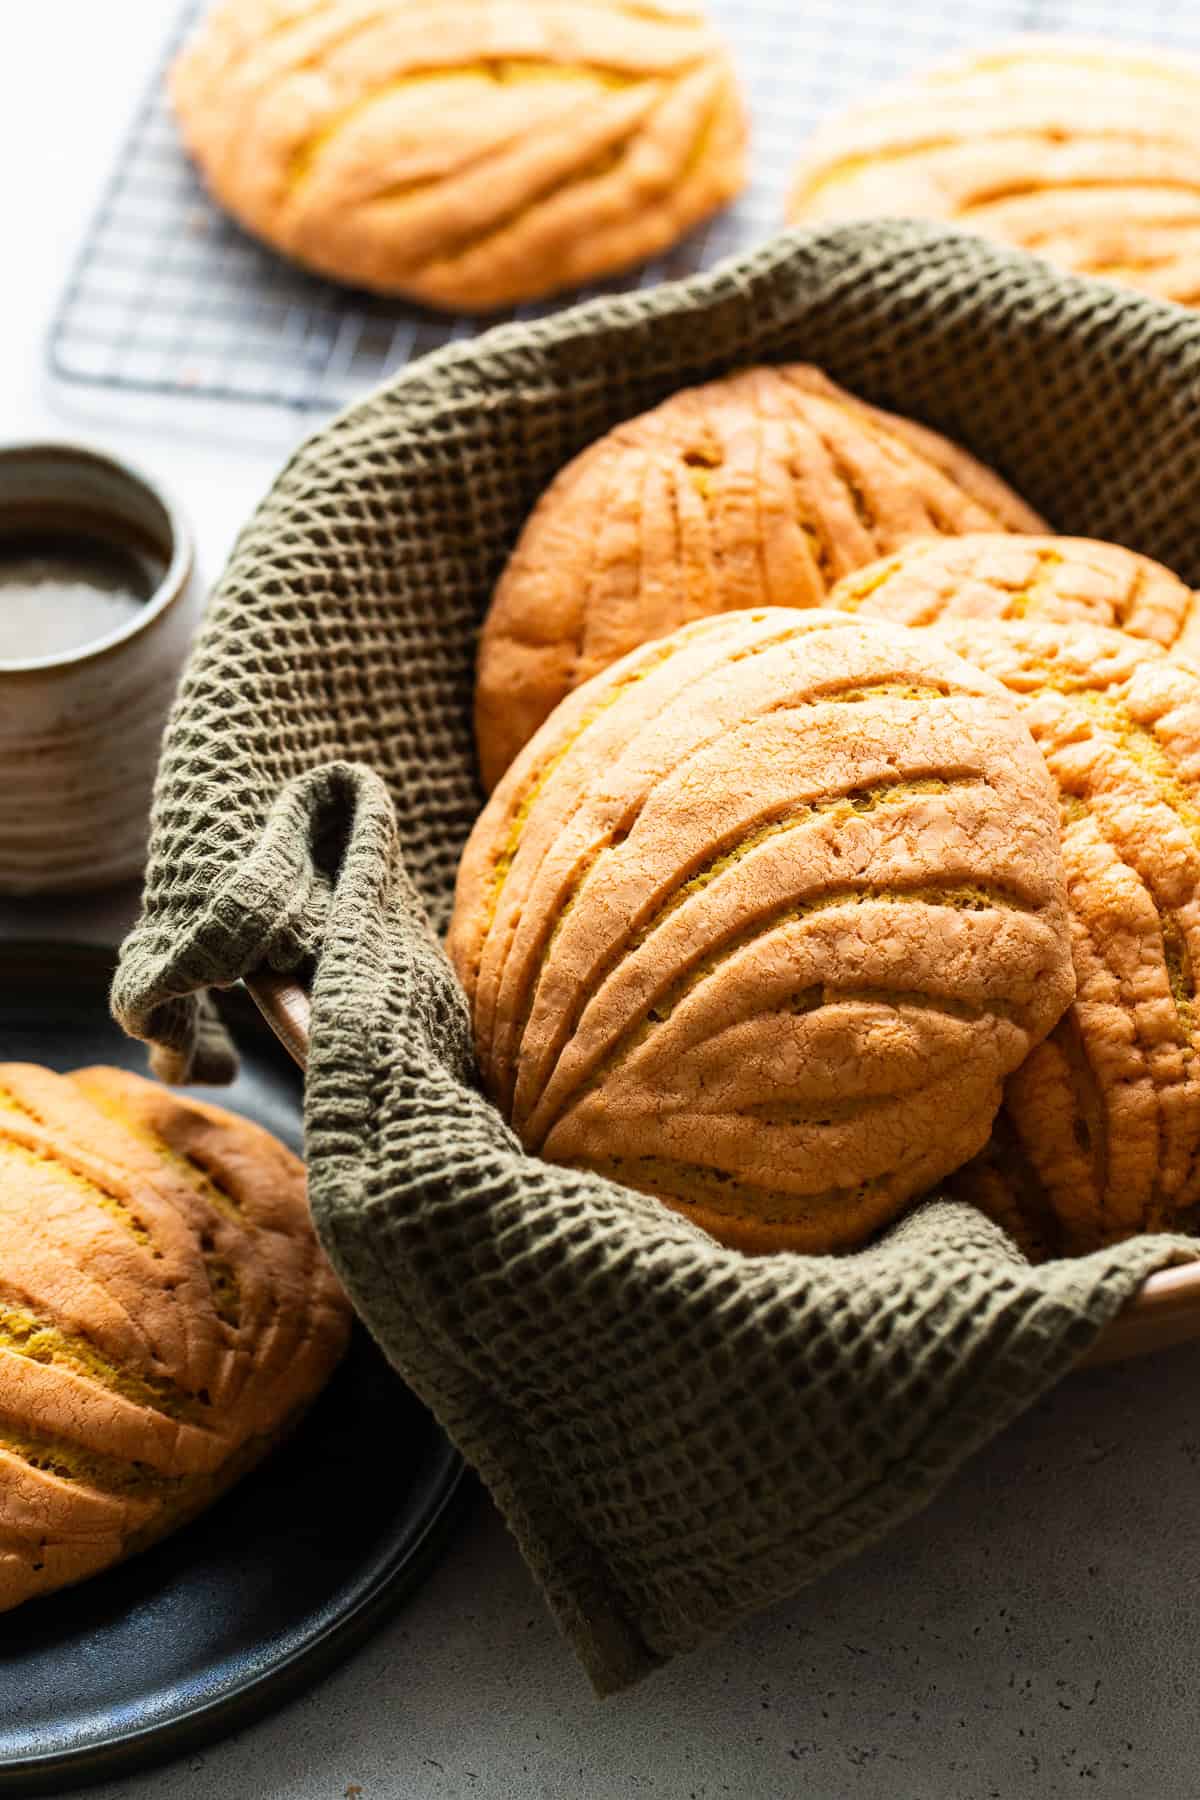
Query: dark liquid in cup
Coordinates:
[63,589]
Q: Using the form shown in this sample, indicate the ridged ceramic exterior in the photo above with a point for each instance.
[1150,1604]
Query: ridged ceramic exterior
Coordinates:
[79,733]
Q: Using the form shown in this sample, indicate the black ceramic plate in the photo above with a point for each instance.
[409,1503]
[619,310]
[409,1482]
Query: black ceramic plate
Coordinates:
[285,1575]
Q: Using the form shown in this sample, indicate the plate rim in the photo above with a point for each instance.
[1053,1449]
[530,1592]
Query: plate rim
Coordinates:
[253,1697]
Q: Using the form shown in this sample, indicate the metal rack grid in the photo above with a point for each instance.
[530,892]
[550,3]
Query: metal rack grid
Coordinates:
[168,297]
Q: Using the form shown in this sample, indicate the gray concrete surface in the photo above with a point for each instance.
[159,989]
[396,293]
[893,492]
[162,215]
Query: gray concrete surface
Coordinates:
[1030,1636]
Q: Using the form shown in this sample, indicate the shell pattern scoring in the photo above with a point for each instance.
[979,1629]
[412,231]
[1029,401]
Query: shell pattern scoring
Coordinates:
[466,153]
[1084,152]
[1100,1136]
[165,1315]
[761,489]
[761,919]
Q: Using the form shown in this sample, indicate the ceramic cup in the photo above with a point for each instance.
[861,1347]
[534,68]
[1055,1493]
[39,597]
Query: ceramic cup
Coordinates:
[80,728]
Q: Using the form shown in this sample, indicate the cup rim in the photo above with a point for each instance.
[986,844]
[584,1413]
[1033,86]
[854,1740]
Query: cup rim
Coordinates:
[175,578]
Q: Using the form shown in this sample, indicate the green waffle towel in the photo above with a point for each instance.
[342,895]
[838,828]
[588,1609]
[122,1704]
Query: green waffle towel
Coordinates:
[675,1433]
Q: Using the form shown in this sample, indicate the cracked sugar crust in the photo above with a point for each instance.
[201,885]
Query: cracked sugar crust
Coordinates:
[467,153]
[165,1314]
[1084,152]
[1103,1120]
[999,576]
[763,489]
[761,919]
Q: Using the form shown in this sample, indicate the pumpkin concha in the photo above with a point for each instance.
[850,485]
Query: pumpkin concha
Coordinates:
[761,919]
[466,153]
[166,1314]
[1082,151]
[761,489]
[1100,1135]
[1054,580]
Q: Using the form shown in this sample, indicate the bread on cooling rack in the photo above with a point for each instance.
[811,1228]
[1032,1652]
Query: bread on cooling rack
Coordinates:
[467,153]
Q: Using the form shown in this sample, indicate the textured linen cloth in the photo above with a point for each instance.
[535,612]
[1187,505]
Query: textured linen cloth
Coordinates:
[676,1434]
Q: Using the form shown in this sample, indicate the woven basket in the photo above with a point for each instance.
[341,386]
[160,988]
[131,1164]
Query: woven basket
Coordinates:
[316,787]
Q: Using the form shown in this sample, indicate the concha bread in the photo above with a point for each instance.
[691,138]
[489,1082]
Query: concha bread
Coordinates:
[761,919]
[761,489]
[467,153]
[165,1315]
[1082,151]
[1101,1131]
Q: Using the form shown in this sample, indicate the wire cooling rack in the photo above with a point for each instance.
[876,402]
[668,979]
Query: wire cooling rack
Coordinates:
[169,298]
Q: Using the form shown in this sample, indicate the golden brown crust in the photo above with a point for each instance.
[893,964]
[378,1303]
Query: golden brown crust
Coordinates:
[763,489]
[998,576]
[1087,153]
[468,153]
[1003,1184]
[1106,1112]
[760,920]
[165,1312]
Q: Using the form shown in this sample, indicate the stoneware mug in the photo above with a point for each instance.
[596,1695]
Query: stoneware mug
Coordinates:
[80,727]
